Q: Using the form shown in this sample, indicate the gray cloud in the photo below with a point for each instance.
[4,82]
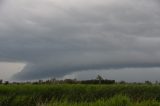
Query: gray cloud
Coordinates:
[55,38]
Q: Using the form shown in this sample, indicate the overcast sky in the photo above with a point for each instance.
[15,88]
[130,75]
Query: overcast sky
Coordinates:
[55,38]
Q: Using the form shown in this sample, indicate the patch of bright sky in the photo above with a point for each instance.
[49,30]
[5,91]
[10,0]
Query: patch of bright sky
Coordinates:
[7,70]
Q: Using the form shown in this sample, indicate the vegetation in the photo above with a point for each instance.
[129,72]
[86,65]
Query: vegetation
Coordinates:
[79,95]
[70,92]
[118,100]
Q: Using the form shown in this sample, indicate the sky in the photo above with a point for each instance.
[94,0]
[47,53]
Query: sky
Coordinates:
[8,69]
[41,39]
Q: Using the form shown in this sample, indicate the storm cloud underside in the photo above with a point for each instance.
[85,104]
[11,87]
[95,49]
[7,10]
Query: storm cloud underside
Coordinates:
[58,37]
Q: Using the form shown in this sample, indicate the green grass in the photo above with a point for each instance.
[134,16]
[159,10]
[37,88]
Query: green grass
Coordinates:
[118,100]
[79,95]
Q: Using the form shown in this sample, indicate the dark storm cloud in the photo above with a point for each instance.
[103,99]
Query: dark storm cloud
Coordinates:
[55,38]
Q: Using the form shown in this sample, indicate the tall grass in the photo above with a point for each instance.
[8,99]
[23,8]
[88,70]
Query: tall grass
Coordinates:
[78,95]
[118,100]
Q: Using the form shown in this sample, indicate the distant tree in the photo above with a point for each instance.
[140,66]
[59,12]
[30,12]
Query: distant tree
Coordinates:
[70,81]
[122,82]
[156,82]
[6,82]
[53,80]
[148,82]
[40,81]
[1,81]
[99,78]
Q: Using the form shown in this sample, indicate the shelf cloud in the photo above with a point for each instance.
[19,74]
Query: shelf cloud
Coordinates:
[57,37]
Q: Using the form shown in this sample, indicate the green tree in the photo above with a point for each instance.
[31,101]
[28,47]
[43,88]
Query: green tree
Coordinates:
[99,78]
[1,81]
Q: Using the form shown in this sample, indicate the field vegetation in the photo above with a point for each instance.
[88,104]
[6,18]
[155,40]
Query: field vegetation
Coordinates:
[79,95]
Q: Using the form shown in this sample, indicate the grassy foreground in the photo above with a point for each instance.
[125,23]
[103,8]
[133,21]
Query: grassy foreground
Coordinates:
[79,95]
[118,100]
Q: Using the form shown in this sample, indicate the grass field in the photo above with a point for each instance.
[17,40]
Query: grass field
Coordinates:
[79,95]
